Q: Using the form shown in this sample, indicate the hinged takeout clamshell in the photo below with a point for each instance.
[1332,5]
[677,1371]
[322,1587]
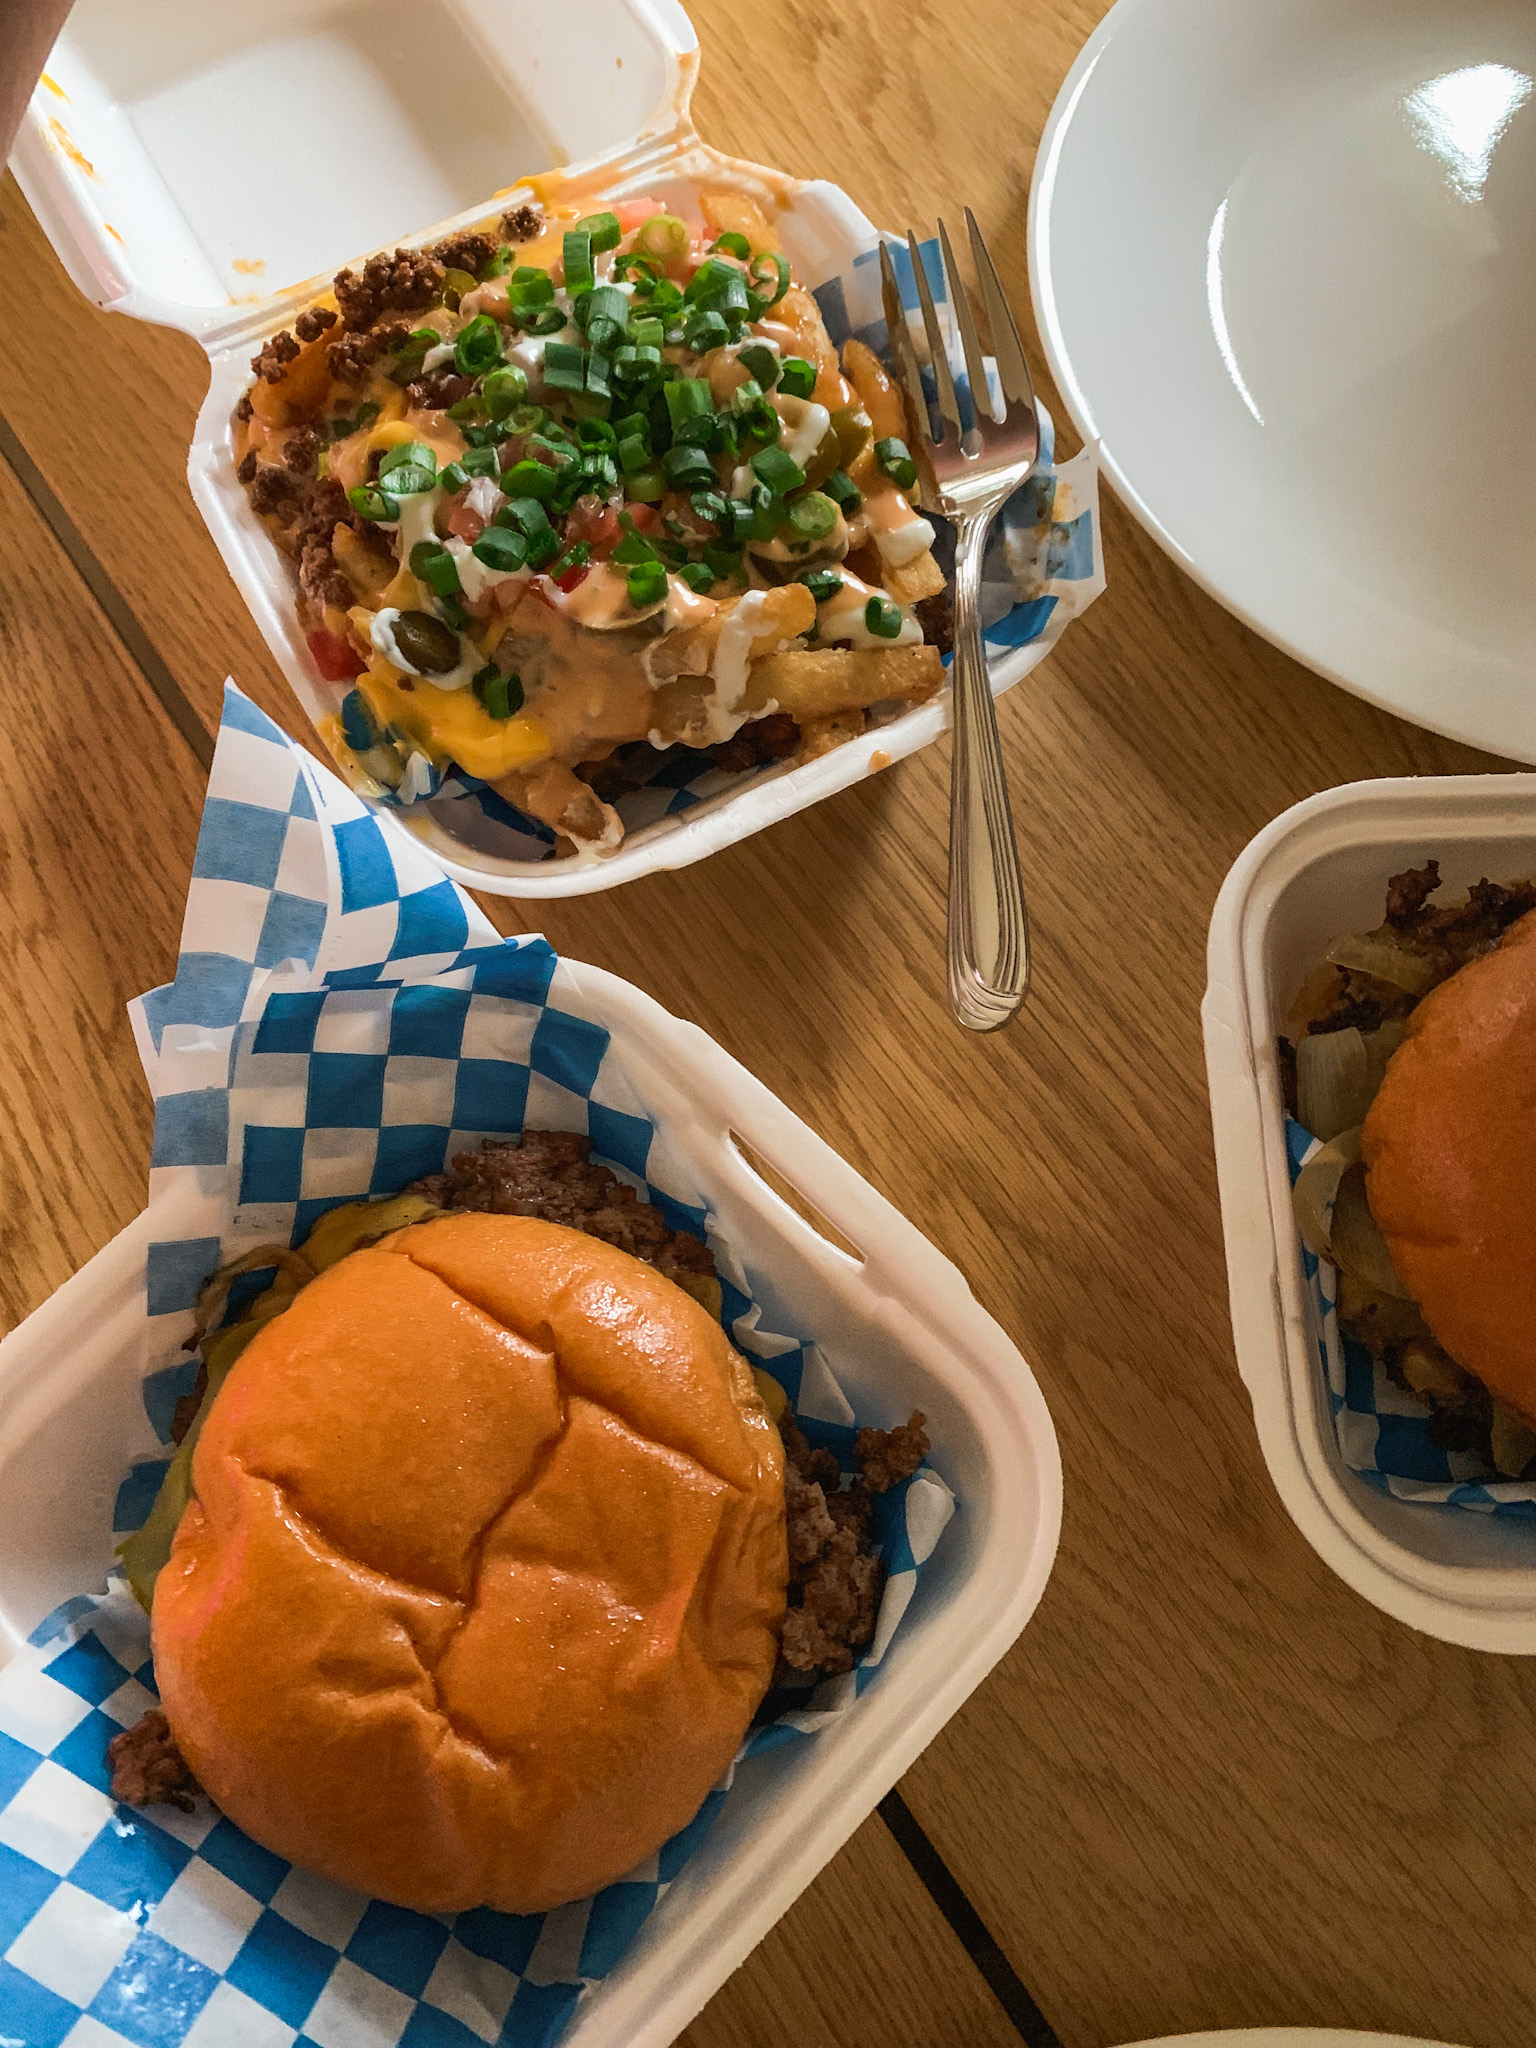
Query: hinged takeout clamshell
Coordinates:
[210,170]
[1318,871]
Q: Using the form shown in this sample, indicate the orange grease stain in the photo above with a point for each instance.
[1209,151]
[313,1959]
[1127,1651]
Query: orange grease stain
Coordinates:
[112,231]
[77,157]
[54,86]
[248,266]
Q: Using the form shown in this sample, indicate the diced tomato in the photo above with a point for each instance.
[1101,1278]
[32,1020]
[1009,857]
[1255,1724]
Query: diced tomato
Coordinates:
[336,660]
[466,522]
[632,213]
[572,577]
[595,523]
[647,518]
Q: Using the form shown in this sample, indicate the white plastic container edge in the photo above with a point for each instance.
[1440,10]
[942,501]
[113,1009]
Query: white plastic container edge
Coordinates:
[901,1328]
[160,211]
[1320,870]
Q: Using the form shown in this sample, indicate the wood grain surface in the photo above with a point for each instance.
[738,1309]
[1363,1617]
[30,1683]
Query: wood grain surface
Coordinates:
[1210,1786]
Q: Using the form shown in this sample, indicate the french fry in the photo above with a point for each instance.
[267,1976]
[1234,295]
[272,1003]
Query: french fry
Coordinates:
[819,736]
[558,797]
[734,213]
[819,682]
[882,401]
[299,392]
[913,581]
[369,574]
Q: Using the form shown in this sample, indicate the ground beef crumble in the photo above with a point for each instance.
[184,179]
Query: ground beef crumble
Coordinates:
[760,741]
[522,223]
[313,322]
[835,1573]
[551,1174]
[271,365]
[468,251]
[148,1768]
[936,616]
[408,281]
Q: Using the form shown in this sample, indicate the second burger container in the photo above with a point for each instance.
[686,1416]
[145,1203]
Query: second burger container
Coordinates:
[1319,871]
[164,201]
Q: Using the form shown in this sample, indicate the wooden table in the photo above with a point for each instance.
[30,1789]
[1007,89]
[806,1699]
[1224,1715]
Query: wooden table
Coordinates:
[1209,1786]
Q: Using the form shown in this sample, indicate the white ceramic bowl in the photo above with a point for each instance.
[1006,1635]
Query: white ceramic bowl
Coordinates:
[1317,871]
[1284,266]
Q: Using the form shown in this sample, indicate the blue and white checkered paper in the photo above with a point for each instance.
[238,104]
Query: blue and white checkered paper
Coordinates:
[1044,566]
[342,1020]
[1382,1430]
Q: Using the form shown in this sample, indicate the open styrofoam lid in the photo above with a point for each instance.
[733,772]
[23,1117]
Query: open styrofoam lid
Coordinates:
[188,158]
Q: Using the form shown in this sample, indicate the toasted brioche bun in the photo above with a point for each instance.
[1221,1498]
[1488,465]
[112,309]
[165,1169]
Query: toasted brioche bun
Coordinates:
[482,1578]
[1450,1155]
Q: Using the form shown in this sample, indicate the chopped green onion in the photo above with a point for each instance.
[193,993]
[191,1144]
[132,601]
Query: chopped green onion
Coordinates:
[633,548]
[406,454]
[449,609]
[599,472]
[765,508]
[703,430]
[780,472]
[687,398]
[524,515]
[504,390]
[723,561]
[797,377]
[770,273]
[499,547]
[649,486]
[603,228]
[812,517]
[478,347]
[715,283]
[634,453]
[501,695]
[706,331]
[410,479]
[530,287]
[647,584]
[479,462]
[742,517]
[713,506]
[540,319]
[595,434]
[844,492]
[578,261]
[664,296]
[565,366]
[500,263]
[466,408]
[599,369]
[759,422]
[417,342]
[883,618]
[761,363]
[697,576]
[687,467]
[733,245]
[528,479]
[823,583]
[436,567]
[373,503]
[895,458]
[664,236]
[543,547]
[454,477]
[646,333]
[485,437]
[526,419]
[634,267]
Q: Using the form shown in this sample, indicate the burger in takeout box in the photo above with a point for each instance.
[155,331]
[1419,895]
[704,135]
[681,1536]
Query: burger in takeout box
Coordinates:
[503,1615]
[582,523]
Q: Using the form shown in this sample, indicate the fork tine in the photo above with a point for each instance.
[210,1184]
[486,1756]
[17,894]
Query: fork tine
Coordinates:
[903,355]
[1012,369]
[970,341]
[949,405]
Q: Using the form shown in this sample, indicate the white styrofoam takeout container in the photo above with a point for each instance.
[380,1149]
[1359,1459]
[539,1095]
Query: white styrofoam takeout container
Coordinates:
[167,200]
[1318,871]
[901,1330]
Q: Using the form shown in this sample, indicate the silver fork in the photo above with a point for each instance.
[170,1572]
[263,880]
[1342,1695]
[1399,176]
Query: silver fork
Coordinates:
[967,475]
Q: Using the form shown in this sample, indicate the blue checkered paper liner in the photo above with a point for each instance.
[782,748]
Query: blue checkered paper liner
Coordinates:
[1044,566]
[1383,1431]
[342,1020]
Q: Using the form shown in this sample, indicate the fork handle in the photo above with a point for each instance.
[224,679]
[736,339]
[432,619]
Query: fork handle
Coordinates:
[988,925]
